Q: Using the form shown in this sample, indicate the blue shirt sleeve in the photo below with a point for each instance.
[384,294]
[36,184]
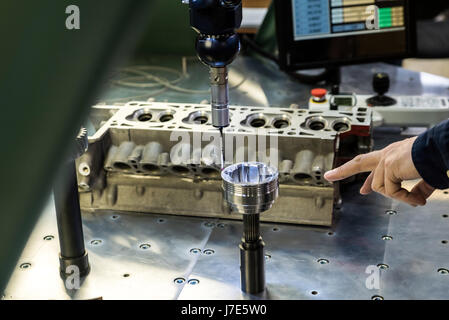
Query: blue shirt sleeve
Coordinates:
[430,154]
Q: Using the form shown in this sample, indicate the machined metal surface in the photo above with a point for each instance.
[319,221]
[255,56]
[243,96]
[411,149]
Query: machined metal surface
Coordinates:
[250,187]
[137,124]
[219,97]
[147,151]
[195,258]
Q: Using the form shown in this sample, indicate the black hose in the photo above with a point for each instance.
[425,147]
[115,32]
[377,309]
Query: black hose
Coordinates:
[304,78]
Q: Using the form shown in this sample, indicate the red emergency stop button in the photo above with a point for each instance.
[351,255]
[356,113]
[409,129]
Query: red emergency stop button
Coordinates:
[318,94]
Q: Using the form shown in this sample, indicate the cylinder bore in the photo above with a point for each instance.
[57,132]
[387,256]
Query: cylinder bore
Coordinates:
[166,116]
[281,123]
[141,115]
[210,172]
[121,165]
[256,120]
[145,117]
[316,123]
[178,169]
[341,125]
[198,117]
[201,119]
[302,178]
[152,168]
[257,123]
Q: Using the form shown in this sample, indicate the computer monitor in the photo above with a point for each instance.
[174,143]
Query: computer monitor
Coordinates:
[325,33]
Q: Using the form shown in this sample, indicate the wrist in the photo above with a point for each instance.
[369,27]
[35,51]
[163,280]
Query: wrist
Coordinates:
[428,163]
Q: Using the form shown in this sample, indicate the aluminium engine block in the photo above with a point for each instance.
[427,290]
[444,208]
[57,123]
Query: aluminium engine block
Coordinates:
[164,158]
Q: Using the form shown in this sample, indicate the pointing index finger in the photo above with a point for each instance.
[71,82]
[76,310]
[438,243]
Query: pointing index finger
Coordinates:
[362,163]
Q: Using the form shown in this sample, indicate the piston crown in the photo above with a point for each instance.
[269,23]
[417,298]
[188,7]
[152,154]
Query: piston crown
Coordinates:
[250,187]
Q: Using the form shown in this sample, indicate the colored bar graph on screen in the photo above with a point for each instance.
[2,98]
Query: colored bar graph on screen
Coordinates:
[391,17]
[385,18]
[327,18]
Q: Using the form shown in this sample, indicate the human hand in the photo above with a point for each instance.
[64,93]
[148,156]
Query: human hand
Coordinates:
[389,167]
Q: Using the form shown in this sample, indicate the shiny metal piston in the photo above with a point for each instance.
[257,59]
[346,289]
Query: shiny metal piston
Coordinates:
[250,187]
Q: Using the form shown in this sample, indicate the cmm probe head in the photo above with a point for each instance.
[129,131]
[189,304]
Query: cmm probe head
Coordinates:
[217,45]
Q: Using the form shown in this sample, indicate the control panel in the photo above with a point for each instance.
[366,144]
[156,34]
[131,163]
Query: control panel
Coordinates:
[388,110]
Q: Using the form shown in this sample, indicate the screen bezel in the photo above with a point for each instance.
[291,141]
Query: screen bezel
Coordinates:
[287,46]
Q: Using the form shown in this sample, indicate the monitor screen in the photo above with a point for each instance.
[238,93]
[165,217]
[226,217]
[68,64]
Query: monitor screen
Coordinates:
[314,33]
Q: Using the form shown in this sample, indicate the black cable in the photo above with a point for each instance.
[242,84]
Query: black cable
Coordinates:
[253,45]
[304,78]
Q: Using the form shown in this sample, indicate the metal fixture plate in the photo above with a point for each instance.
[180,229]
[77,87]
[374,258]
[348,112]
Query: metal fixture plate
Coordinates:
[414,255]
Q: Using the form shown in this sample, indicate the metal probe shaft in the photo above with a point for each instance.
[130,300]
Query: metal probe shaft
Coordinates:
[222,149]
[219,97]
[220,104]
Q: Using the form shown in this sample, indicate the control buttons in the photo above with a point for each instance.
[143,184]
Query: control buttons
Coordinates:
[318,94]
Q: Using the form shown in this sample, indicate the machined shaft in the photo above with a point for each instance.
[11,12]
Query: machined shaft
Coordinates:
[251,227]
[70,227]
[252,256]
[68,214]
[251,188]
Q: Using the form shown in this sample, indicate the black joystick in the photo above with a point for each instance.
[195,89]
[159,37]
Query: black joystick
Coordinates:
[381,84]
